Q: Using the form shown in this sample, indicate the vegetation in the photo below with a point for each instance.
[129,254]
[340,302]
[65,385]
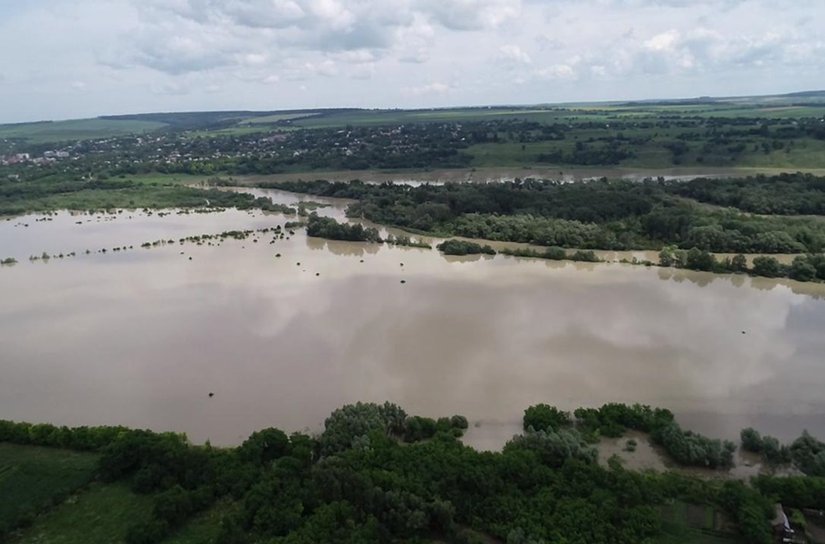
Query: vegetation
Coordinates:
[599,214]
[326,227]
[51,193]
[33,479]
[402,240]
[772,452]
[377,474]
[463,247]
[803,268]
[100,514]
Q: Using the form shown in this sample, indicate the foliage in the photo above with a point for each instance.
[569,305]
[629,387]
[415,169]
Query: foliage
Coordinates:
[377,474]
[772,452]
[326,227]
[612,419]
[793,491]
[808,454]
[463,247]
[688,448]
[553,448]
[356,423]
[543,417]
[767,266]
[100,514]
[598,214]
[34,478]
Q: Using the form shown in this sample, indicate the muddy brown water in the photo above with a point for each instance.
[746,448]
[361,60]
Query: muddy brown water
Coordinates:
[141,337]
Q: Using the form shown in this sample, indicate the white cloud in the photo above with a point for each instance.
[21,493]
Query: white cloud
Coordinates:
[326,68]
[513,53]
[557,71]
[662,42]
[199,54]
[431,88]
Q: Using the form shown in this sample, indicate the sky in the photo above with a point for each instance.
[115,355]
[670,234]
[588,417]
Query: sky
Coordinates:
[62,59]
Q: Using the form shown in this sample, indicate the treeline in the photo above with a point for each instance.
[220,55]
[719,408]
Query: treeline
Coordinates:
[326,227]
[802,268]
[783,194]
[599,214]
[464,247]
[52,193]
[377,474]
[554,253]
[806,453]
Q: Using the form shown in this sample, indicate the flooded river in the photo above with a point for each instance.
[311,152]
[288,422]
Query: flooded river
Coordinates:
[140,337]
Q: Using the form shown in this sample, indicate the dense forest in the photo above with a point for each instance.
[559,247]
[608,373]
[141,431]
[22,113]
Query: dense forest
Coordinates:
[599,214]
[377,474]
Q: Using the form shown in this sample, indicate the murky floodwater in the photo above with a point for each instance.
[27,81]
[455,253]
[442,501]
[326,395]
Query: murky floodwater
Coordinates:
[141,337]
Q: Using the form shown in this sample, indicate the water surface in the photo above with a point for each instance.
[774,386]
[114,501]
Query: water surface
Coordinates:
[141,337]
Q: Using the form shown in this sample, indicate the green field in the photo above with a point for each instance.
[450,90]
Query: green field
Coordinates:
[34,478]
[203,528]
[685,523]
[77,129]
[100,515]
[277,118]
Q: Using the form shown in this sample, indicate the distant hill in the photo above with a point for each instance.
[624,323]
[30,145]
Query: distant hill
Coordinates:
[789,99]
[805,103]
[194,120]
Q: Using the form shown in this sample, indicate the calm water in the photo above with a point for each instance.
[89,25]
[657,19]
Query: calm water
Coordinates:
[141,337]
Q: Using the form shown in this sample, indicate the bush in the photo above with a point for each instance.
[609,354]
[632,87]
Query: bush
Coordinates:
[326,227]
[751,440]
[264,446]
[692,449]
[553,448]
[585,256]
[808,454]
[801,269]
[766,266]
[555,253]
[543,417]
[462,247]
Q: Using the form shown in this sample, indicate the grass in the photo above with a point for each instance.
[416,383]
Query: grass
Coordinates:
[204,527]
[275,118]
[33,478]
[383,117]
[77,129]
[100,515]
[685,523]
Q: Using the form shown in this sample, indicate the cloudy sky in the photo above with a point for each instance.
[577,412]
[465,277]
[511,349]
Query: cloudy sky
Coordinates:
[80,58]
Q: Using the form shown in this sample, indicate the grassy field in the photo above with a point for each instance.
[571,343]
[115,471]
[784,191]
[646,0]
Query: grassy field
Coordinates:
[100,515]
[204,527]
[694,524]
[79,129]
[276,118]
[31,478]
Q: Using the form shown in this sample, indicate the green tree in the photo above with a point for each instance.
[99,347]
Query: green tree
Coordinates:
[801,269]
[767,266]
[543,417]
[739,263]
